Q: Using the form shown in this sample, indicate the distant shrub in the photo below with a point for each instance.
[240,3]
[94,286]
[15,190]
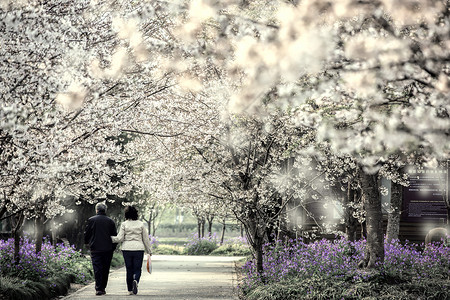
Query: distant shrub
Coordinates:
[117,260]
[200,246]
[168,250]
[239,240]
[232,250]
[237,246]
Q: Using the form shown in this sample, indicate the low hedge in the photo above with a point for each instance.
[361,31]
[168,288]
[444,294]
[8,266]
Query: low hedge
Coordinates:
[168,250]
[232,250]
[14,288]
[377,287]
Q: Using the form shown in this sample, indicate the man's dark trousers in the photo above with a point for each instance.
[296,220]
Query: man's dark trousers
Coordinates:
[101,262]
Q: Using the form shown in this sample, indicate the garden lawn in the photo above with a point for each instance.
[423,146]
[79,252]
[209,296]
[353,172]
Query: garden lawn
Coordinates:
[194,245]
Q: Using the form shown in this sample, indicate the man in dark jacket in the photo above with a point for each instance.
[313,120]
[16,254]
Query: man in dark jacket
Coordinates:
[97,236]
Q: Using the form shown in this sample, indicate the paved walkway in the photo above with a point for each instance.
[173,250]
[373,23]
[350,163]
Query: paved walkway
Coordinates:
[174,277]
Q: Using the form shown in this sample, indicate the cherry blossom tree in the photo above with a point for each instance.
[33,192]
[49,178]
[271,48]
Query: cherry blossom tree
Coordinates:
[370,77]
[73,80]
[225,97]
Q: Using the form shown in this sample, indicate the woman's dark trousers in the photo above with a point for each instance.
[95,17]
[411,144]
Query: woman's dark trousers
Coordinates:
[133,264]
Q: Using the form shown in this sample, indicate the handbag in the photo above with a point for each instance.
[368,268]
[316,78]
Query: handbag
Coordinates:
[149,264]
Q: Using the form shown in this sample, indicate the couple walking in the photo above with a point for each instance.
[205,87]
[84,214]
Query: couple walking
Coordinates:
[102,238]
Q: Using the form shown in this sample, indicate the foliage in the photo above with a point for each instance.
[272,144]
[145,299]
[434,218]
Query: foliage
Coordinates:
[173,240]
[364,81]
[67,102]
[169,246]
[169,250]
[233,247]
[46,288]
[329,270]
[153,241]
[16,289]
[378,287]
[186,228]
[48,273]
[200,246]
[369,80]
[117,260]
[52,259]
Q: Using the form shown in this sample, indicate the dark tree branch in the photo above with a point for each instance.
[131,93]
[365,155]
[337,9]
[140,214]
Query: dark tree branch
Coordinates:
[152,133]
[18,83]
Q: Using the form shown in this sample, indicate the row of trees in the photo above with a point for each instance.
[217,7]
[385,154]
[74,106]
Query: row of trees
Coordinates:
[361,88]
[247,107]
[72,98]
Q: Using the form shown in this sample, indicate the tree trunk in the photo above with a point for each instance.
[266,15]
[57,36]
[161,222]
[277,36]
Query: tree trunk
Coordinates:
[199,227]
[54,233]
[255,237]
[203,227]
[222,237]
[210,223]
[364,229]
[350,221]
[39,232]
[150,219]
[3,211]
[259,258]
[393,224]
[154,227]
[446,196]
[16,233]
[374,221]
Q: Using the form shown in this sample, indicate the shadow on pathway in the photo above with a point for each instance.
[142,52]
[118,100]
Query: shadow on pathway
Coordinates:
[174,277]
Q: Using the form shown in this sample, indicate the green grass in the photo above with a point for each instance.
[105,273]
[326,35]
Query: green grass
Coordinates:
[176,246]
[232,250]
[13,288]
[378,287]
[168,250]
[170,246]
[173,241]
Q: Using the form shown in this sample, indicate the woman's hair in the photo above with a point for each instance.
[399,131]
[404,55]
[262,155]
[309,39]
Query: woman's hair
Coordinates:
[131,213]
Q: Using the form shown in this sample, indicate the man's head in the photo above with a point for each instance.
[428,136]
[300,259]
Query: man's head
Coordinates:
[100,207]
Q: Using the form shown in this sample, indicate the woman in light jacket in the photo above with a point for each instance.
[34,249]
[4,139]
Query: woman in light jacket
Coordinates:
[135,240]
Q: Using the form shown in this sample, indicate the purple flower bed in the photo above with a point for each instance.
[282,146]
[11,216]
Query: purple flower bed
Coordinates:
[432,261]
[45,264]
[339,258]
